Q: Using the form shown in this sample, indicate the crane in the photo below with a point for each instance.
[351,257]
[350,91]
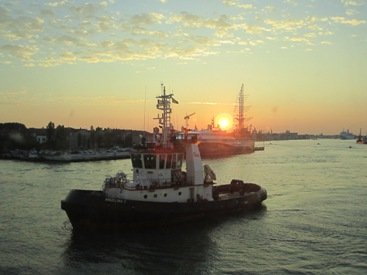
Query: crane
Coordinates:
[186,118]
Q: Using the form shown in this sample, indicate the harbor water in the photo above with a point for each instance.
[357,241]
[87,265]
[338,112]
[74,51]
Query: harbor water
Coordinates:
[314,220]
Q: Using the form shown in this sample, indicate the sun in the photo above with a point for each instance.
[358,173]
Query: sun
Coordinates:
[224,121]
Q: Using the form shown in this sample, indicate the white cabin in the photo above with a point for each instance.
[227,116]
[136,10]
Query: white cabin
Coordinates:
[157,172]
[158,177]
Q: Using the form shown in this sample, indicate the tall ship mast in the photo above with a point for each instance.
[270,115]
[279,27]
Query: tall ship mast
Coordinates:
[241,106]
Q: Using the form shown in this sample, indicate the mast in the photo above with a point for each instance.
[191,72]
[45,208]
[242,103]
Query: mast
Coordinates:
[164,120]
[241,116]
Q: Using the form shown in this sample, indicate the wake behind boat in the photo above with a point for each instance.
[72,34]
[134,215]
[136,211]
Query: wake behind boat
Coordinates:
[160,192]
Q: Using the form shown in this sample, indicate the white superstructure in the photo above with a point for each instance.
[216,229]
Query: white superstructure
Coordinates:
[157,170]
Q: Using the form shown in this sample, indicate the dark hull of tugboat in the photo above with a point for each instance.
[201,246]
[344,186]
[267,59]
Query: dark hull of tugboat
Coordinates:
[88,209]
[218,149]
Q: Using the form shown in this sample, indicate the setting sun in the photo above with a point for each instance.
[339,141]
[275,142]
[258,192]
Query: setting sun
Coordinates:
[224,121]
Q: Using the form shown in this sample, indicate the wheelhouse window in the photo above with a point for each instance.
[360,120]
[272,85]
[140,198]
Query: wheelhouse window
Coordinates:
[174,160]
[150,161]
[162,159]
[179,160]
[169,161]
[136,161]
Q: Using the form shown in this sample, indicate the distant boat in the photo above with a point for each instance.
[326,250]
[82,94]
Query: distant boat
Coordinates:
[86,155]
[361,139]
[218,143]
[346,135]
[214,142]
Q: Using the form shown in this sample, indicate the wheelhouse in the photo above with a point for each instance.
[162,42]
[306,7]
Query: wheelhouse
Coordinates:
[157,161]
[152,168]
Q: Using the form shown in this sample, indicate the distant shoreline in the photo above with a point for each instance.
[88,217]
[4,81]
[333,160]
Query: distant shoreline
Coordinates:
[51,156]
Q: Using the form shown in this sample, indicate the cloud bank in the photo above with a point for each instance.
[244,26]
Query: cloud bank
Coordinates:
[67,32]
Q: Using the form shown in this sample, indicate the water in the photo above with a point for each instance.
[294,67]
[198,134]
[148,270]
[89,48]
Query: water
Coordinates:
[314,220]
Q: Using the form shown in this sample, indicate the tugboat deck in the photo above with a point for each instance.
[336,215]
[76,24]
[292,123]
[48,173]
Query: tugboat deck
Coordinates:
[228,196]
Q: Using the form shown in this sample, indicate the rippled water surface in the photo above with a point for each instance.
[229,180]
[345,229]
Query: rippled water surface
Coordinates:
[314,220]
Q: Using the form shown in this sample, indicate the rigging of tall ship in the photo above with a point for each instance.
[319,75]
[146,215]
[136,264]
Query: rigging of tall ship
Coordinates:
[161,192]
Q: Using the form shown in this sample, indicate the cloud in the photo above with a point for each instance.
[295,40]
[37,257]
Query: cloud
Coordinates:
[352,3]
[58,3]
[22,27]
[146,19]
[66,32]
[220,24]
[251,29]
[353,7]
[134,49]
[85,10]
[286,25]
[345,21]
[142,24]
[299,39]
[236,3]
[301,31]
[308,30]
[326,43]
[23,52]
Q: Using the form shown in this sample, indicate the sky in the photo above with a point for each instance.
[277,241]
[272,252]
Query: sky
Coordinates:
[101,63]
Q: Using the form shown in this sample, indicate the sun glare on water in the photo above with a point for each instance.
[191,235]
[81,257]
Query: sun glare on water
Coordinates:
[224,121]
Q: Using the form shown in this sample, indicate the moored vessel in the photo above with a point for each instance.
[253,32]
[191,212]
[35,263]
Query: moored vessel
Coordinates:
[346,135]
[215,142]
[161,192]
[361,139]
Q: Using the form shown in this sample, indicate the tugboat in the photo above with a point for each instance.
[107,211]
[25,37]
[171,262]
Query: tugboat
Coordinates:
[161,192]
